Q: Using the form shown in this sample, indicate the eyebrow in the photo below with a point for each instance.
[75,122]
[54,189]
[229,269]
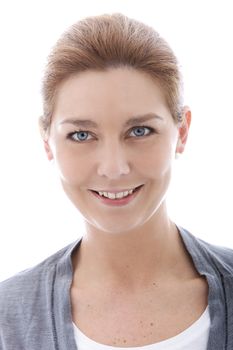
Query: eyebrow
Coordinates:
[91,124]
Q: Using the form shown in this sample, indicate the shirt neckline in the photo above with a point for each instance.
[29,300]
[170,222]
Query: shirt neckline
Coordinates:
[199,326]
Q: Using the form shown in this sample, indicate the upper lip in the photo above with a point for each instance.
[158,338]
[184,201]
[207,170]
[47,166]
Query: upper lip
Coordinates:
[113,190]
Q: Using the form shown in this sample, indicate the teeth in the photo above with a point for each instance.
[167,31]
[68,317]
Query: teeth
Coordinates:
[115,195]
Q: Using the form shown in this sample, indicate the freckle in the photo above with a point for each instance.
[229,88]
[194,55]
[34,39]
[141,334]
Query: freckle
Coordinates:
[88,305]
[144,336]
[152,324]
[124,341]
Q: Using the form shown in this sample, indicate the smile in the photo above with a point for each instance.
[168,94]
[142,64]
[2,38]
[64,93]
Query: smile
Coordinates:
[116,195]
[117,198]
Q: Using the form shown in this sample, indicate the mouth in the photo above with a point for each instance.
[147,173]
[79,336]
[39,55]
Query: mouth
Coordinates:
[117,194]
[117,198]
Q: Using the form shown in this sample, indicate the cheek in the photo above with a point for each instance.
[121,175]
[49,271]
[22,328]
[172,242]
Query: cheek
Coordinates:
[73,168]
[156,161]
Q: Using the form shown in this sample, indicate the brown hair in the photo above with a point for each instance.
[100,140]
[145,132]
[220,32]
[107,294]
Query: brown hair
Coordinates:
[102,42]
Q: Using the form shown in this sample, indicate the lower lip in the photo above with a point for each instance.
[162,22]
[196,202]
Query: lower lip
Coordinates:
[117,202]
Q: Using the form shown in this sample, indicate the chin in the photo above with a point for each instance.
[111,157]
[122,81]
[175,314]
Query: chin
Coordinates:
[111,227]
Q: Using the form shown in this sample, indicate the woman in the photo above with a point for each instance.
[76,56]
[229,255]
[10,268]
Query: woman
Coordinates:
[114,121]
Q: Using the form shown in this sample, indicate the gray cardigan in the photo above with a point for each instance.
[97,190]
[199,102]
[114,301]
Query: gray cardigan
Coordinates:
[35,310]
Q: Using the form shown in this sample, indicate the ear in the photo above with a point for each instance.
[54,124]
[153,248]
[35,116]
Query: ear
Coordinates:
[48,150]
[183,130]
[44,136]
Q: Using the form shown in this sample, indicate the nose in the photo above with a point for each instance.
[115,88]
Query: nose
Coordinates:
[113,162]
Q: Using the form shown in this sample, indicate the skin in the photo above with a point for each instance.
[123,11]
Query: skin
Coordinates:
[114,157]
[110,99]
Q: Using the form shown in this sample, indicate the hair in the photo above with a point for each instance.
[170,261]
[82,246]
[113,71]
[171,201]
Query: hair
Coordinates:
[111,41]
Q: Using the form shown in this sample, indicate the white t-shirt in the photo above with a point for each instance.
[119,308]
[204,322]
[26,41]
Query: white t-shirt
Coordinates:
[193,338]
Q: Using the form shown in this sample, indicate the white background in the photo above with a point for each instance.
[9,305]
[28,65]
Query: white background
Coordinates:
[36,219]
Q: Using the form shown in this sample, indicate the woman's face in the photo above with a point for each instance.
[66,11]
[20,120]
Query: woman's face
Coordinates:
[112,132]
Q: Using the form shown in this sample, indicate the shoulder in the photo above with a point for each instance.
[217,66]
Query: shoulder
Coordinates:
[26,288]
[221,256]
[208,255]
[36,271]
[27,302]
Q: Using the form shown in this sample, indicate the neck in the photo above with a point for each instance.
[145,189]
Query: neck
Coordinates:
[134,258]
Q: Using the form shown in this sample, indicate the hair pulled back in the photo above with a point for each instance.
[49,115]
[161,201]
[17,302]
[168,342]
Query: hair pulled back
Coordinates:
[111,41]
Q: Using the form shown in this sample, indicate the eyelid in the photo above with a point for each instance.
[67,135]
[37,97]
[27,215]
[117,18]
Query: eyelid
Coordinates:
[151,131]
[71,134]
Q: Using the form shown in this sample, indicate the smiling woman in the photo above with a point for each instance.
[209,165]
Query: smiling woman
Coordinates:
[143,154]
[113,122]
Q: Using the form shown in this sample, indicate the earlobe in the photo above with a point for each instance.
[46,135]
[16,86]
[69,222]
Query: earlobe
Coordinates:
[184,130]
[48,150]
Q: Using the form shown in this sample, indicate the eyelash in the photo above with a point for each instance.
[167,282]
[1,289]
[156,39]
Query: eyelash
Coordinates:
[70,136]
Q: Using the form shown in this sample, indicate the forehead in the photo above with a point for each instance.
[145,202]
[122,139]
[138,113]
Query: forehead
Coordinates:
[119,91]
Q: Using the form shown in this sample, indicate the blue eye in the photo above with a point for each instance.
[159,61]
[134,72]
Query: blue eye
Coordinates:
[78,136]
[140,131]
